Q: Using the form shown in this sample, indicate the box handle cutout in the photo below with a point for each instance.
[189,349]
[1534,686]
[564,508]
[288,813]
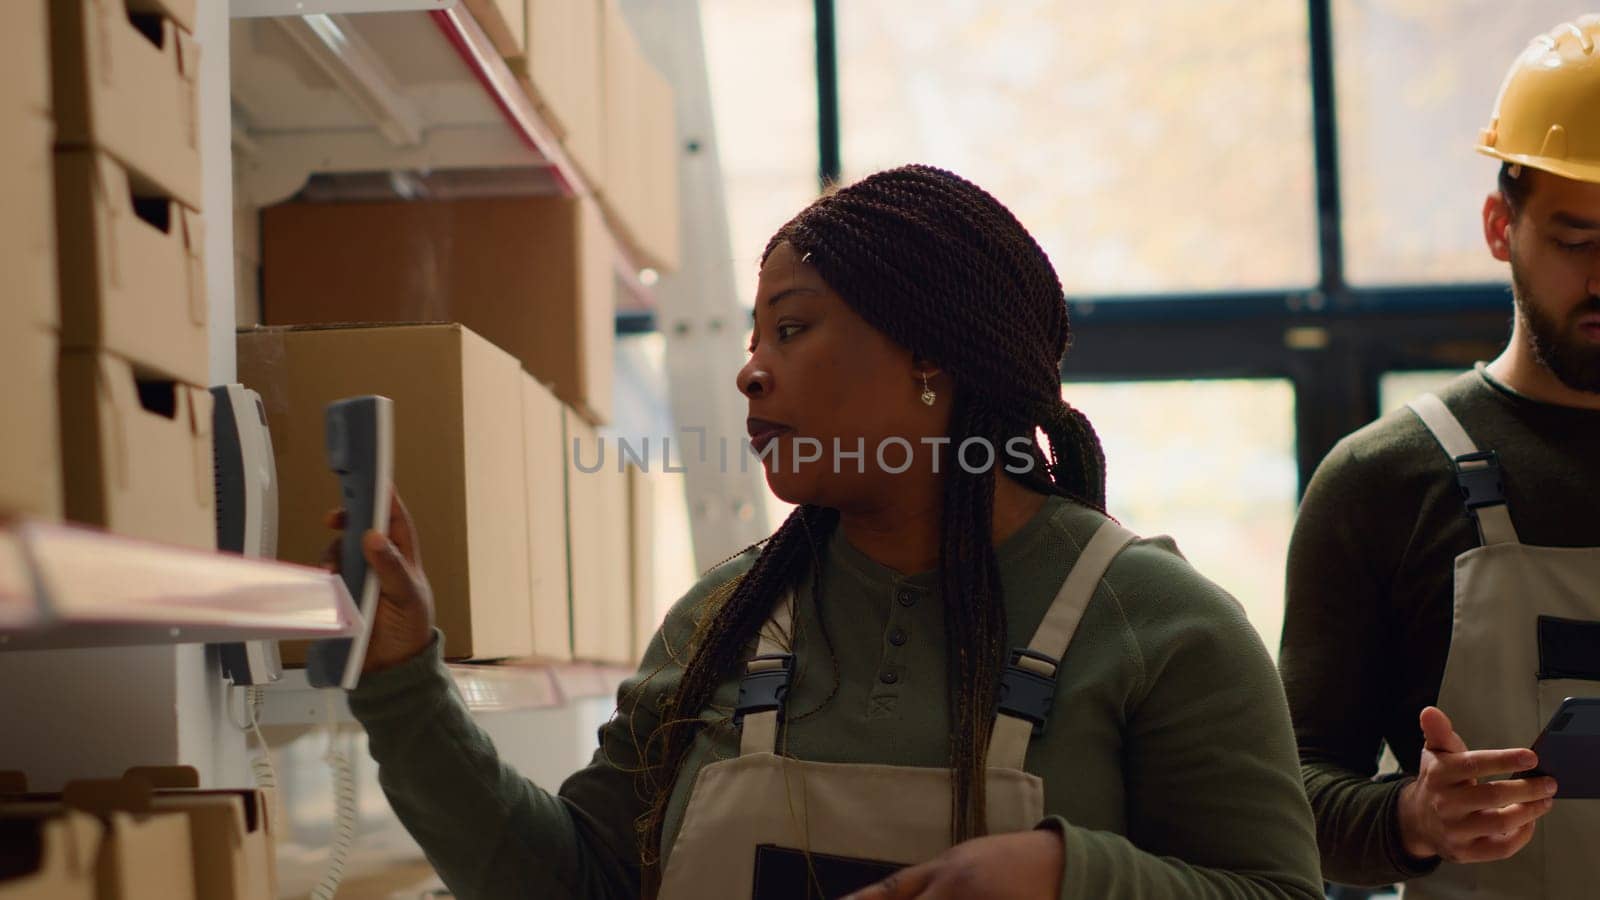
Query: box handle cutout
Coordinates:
[153,211]
[158,396]
[149,25]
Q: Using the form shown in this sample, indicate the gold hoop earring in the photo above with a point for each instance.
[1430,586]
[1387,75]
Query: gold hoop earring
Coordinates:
[928,396]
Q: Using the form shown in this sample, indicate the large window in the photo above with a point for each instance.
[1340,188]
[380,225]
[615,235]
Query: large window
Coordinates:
[1211,464]
[1396,389]
[1149,145]
[1417,80]
[1284,193]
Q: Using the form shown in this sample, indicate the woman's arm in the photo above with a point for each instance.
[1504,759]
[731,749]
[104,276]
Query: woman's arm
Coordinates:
[488,831]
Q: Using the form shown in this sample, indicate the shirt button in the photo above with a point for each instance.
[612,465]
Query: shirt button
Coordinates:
[897,637]
[907,598]
[888,678]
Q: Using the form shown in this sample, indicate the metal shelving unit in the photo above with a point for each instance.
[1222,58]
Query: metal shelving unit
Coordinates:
[405,88]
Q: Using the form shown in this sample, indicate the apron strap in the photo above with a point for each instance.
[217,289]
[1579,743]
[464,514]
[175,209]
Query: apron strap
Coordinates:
[765,686]
[1477,473]
[1028,685]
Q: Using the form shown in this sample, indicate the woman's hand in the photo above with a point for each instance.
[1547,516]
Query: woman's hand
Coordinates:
[404,623]
[1025,865]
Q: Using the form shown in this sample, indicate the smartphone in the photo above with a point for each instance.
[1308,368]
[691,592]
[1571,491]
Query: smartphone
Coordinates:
[1569,749]
[785,874]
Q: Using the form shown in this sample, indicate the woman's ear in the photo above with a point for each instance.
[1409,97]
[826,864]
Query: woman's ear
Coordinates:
[922,367]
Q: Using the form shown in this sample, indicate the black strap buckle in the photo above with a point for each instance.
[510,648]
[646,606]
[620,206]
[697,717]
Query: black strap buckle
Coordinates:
[1480,485]
[764,689]
[1025,693]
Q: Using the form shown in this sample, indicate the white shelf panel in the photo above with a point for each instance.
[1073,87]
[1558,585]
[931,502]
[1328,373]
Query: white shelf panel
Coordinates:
[291,701]
[63,586]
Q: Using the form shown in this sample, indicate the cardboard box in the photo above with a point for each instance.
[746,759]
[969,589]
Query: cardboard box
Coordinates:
[639,189]
[620,61]
[28,227]
[132,269]
[145,855]
[506,24]
[136,451]
[458,461]
[231,833]
[25,59]
[48,856]
[125,77]
[642,486]
[562,73]
[30,452]
[531,274]
[181,12]
[597,522]
[544,454]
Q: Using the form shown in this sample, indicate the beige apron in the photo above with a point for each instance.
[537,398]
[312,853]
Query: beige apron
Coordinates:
[762,809]
[1493,690]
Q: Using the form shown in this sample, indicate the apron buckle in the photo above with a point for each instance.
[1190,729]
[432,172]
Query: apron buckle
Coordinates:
[765,685]
[1478,476]
[1027,693]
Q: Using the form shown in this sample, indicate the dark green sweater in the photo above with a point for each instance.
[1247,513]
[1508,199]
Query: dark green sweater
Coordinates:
[1168,759]
[1370,595]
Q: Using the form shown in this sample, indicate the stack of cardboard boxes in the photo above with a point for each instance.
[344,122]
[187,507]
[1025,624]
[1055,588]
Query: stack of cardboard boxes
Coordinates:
[111,425]
[136,417]
[498,354]
[30,468]
[105,335]
[528,546]
[528,287]
[614,113]
[639,186]
[562,68]
[151,835]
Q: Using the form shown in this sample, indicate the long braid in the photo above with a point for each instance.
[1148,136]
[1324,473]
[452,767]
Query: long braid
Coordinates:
[721,643]
[1079,466]
[945,270]
[969,577]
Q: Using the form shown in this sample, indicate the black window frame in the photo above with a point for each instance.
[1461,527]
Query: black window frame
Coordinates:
[1334,342]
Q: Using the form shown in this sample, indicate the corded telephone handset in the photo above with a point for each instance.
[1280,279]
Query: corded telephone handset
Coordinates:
[360,441]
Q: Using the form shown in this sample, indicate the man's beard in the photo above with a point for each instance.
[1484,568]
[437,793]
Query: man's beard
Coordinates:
[1557,346]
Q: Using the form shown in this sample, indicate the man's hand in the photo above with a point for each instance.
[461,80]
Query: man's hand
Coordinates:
[1451,812]
[1021,866]
[404,623]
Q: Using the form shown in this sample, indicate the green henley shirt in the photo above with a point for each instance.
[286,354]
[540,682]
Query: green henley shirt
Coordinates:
[1168,760]
[1371,595]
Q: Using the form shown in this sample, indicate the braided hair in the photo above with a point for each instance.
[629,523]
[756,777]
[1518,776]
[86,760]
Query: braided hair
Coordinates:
[943,269]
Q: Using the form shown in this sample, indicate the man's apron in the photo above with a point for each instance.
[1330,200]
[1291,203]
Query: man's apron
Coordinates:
[1497,690]
[762,826]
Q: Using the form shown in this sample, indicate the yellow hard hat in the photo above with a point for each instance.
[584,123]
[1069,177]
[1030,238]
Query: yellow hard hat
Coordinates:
[1548,112]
